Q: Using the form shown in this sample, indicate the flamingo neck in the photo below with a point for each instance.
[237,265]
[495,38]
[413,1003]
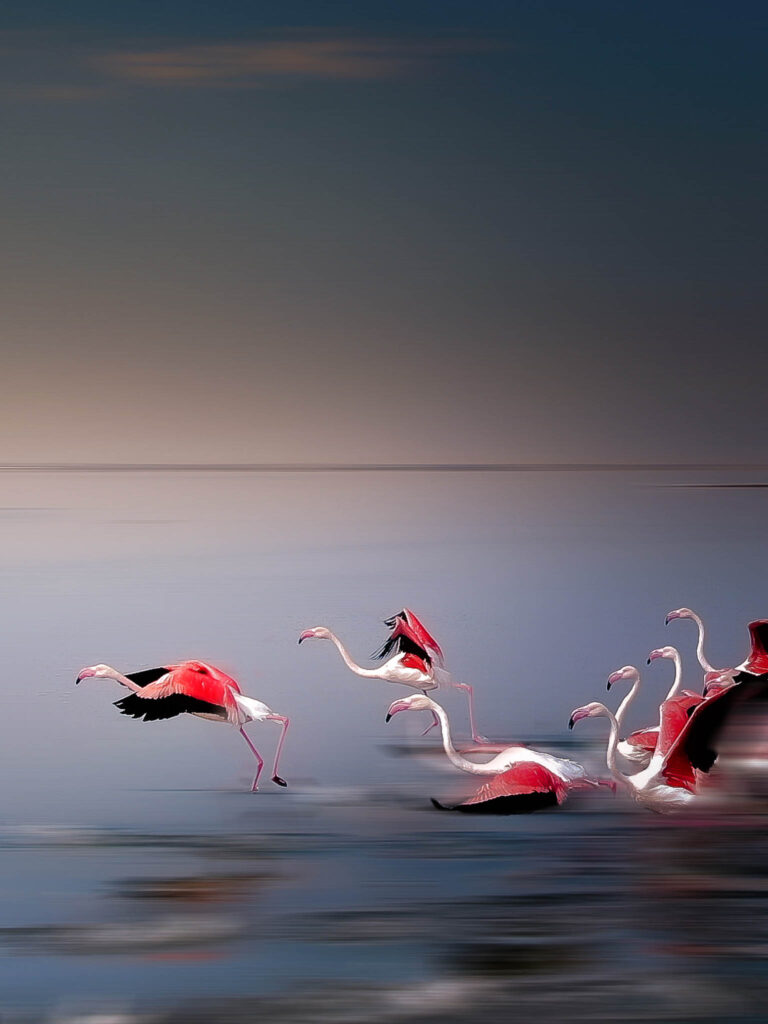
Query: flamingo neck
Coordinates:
[124,680]
[368,673]
[700,645]
[613,739]
[453,755]
[678,677]
[624,706]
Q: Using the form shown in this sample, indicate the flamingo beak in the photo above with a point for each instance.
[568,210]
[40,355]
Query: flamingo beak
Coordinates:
[614,677]
[306,635]
[398,705]
[577,716]
[653,656]
[670,617]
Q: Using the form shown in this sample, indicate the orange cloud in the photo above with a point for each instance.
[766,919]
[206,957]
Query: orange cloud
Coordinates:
[245,64]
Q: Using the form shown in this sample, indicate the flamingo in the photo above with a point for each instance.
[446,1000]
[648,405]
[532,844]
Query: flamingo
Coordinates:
[754,665]
[658,787]
[522,779]
[639,746]
[416,660]
[195,688]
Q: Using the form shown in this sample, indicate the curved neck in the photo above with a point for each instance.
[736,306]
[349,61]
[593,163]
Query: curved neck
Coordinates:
[623,707]
[700,645]
[613,739]
[453,754]
[678,677]
[369,673]
[124,680]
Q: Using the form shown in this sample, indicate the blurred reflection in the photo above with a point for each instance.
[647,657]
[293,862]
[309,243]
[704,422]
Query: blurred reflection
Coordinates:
[597,912]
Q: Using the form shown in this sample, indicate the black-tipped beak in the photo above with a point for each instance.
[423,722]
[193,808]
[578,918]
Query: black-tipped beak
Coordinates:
[570,720]
[666,620]
[278,781]
[609,685]
[301,638]
[77,680]
[648,662]
[388,717]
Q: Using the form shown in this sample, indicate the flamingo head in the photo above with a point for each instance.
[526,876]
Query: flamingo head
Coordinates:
[316,633]
[627,672]
[662,652]
[96,672]
[679,613]
[417,702]
[593,710]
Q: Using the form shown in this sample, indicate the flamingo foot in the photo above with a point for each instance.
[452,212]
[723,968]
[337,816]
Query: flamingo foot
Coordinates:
[278,781]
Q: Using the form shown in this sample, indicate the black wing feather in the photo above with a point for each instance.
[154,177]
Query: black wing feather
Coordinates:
[524,803]
[166,707]
[402,645]
[147,676]
[712,716]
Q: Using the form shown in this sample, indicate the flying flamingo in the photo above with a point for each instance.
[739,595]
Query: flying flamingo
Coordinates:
[522,779]
[639,746]
[195,688]
[416,660]
[658,786]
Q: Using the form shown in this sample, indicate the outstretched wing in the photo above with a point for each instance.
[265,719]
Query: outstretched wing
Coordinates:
[191,687]
[695,746]
[418,633]
[523,788]
[403,641]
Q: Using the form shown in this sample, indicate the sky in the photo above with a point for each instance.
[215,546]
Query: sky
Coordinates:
[383,232]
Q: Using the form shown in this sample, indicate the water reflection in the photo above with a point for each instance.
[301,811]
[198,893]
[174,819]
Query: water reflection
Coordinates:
[592,913]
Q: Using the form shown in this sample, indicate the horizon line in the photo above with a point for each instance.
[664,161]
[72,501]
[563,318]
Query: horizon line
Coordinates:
[382,467]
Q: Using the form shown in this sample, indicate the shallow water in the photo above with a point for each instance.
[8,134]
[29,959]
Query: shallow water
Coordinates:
[142,881]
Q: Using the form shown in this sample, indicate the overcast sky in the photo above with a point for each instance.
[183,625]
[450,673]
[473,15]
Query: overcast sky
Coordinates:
[362,231]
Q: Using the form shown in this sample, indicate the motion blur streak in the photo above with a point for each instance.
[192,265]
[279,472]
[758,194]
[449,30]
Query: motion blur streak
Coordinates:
[391,914]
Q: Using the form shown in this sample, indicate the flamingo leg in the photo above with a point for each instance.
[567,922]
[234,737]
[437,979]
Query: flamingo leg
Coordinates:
[471,700]
[286,722]
[435,721]
[258,757]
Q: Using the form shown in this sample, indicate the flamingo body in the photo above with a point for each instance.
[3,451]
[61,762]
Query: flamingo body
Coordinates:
[518,790]
[194,688]
[523,779]
[657,787]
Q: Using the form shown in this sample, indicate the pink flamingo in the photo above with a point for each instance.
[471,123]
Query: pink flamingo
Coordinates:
[686,613]
[194,688]
[659,786]
[639,746]
[416,660]
[522,780]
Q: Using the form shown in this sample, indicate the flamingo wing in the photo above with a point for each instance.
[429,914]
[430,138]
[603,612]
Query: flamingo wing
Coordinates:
[523,788]
[403,641]
[674,715]
[418,632]
[191,687]
[694,747]
[645,739]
